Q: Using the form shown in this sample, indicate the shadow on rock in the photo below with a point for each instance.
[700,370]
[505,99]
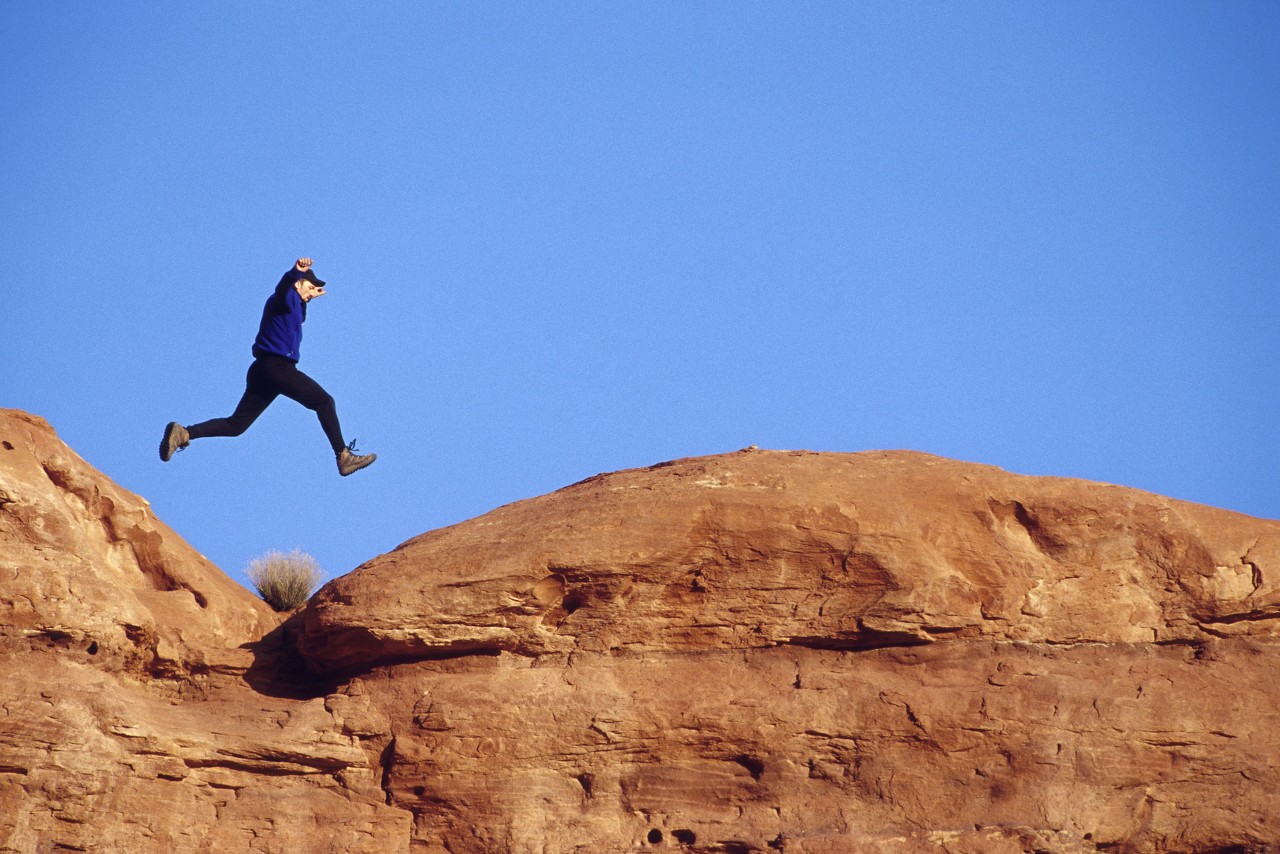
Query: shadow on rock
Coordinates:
[278,670]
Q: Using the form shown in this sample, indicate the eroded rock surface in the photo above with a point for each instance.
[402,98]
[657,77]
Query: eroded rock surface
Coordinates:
[754,652]
[140,704]
[821,652]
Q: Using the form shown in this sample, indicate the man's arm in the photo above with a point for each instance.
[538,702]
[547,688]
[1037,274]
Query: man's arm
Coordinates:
[295,272]
[286,284]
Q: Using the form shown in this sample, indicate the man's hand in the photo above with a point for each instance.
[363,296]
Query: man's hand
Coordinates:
[303,265]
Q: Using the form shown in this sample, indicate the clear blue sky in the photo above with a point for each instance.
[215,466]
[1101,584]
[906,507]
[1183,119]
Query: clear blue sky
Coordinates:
[566,238]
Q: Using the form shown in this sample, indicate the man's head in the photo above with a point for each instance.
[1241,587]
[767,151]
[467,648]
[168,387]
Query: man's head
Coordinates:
[308,286]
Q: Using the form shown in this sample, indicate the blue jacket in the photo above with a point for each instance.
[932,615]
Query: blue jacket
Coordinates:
[280,332]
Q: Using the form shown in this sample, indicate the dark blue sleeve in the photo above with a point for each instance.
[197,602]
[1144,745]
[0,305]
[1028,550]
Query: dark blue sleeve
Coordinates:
[279,302]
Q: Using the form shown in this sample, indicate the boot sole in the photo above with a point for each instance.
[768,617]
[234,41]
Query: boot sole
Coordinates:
[169,444]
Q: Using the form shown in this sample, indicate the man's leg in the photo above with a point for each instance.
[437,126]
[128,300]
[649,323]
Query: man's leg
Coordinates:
[258,394]
[295,385]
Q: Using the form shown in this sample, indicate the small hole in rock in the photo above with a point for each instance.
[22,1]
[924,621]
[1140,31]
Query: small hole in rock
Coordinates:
[93,648]
[419,791]
[8,447]
[752,764]
[572,603]
[655,836]
[686,837]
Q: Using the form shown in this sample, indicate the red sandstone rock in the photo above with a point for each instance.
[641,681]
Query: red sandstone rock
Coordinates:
[836,551]
[129,720]
[85,565]
[762,651]
[822,652]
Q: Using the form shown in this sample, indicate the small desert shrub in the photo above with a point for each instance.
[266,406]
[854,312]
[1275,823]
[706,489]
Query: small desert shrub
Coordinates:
[285,581]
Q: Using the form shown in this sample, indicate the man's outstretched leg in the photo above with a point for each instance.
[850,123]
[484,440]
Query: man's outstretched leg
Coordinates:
[258,395]
[295,385]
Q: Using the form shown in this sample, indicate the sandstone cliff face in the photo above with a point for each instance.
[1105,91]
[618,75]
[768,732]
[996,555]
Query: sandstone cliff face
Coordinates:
[834,551]
[126,719]
[86,566]
[821,652]
[761,651]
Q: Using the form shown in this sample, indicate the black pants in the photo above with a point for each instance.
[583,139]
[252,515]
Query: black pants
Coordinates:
[268,378]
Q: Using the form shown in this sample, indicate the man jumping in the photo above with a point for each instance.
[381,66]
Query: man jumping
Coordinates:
[275,372]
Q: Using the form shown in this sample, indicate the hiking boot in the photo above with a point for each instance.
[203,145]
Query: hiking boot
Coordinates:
[175,439]
[349,461]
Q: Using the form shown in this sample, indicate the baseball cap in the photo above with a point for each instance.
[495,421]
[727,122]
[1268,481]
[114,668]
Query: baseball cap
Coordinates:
[311,277]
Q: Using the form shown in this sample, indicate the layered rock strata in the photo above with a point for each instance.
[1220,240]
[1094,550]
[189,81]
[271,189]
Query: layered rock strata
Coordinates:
[760,651]
[821,652]
[140,708]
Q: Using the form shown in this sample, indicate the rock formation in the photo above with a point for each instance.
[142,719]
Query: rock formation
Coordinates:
[760,651]
[823,652]
[136,695]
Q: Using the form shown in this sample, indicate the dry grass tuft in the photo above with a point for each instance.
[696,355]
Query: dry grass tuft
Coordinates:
[285,581]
